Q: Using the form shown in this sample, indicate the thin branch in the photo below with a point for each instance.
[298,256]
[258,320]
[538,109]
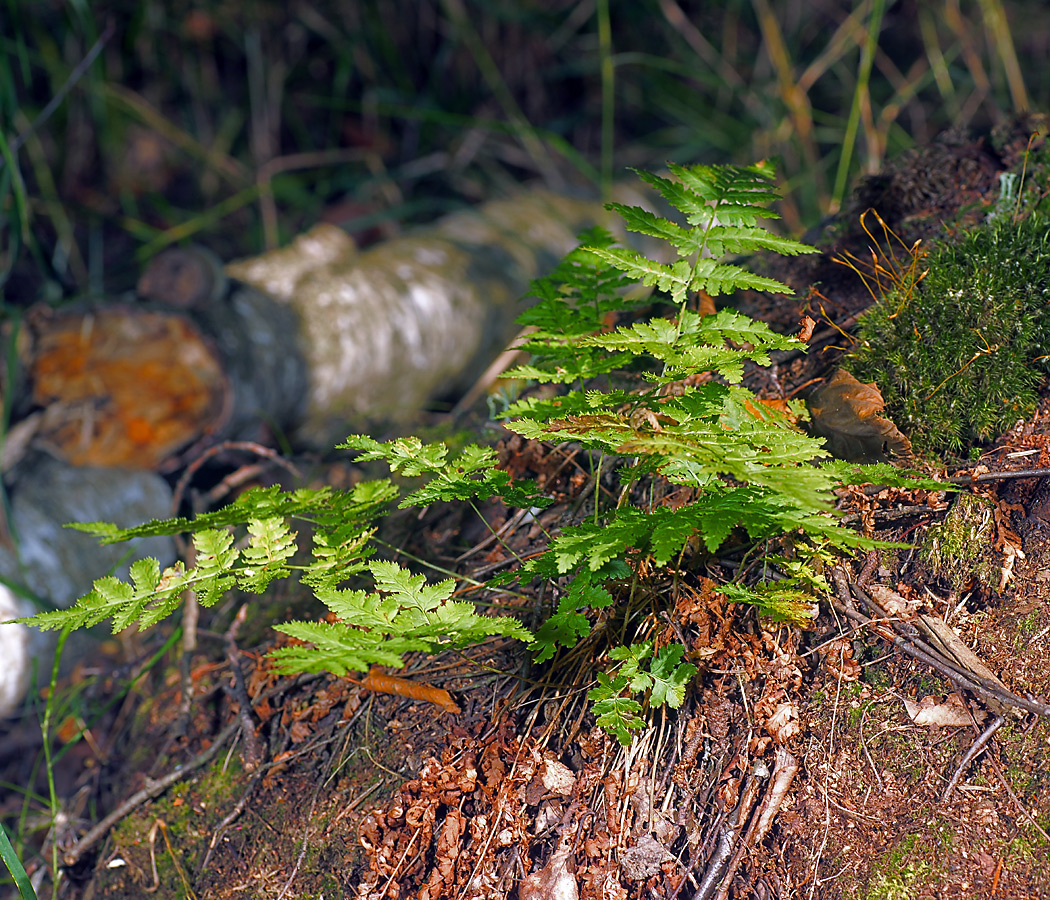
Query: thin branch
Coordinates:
[55,102]
[151,790]
[919,650]
[971,755]
[1000,476]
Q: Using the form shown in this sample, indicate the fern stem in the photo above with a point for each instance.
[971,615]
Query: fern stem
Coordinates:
[608,74]
[45,728]
[495,534]
[598,485]
[429,564]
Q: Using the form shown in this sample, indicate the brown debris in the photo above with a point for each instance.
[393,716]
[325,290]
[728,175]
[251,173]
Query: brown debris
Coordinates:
[845,413]
[556,880]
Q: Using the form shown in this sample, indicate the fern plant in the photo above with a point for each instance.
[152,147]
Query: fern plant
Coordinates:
[671,406]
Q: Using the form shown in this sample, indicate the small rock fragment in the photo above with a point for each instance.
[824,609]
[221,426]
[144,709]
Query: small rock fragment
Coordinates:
[644,859]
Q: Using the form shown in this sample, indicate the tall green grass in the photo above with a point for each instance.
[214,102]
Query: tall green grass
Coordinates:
[143,124]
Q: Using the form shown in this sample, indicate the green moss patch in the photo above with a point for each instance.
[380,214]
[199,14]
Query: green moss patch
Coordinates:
[959,550]
[962,358]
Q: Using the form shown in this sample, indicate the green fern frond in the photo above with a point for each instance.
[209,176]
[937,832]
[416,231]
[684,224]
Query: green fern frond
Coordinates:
[739,193]
[324,506]
[696,343]
[722,204]
[664,681]
[407,456]
[405,613]
[272,544]
[568,624]
[672,278]
[149,597]
[472,475]
[340,650]
[615,713]
[670,676]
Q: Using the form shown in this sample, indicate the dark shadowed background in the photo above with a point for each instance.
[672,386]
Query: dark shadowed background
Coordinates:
[128,126]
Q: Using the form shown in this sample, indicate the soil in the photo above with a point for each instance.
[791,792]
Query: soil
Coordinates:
[799,765]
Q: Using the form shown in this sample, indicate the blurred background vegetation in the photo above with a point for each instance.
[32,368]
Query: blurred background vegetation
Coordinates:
[130,125]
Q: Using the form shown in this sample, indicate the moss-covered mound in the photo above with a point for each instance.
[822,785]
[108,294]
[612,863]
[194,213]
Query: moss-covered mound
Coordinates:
[960,356]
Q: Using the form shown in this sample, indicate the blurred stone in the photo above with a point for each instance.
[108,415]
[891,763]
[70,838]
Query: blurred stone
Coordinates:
[385,329]
[58,564]
[19,646]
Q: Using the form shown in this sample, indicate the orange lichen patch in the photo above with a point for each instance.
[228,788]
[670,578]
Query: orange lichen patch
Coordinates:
[123,388]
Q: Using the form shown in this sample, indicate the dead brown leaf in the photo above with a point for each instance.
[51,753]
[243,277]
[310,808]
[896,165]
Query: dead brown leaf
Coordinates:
[846,413]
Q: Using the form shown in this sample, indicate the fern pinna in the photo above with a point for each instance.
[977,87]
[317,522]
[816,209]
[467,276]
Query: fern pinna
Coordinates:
[690,422]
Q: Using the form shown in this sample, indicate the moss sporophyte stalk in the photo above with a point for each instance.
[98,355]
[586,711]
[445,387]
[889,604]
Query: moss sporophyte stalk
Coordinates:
[659,393]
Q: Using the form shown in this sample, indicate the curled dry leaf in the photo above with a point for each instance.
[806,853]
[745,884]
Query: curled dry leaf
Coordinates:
[892,602]
[558,778]
[846,413]
[837,655]
[949,714]
[604,883]
[784,723]
[1010,555]
[778,713]
[556,880]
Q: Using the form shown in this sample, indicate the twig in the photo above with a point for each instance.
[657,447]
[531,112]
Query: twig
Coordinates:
[489,377]
[306,842]
[838,578]
[971,755]
[151,790]
[720,869]
[1017,802]
[930,657]
[56,101]
[999,476]
[248,446]
[231,817]
[864,747]
[190,618]
[886,516]
[254,750]
[785,767]
[940,648]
